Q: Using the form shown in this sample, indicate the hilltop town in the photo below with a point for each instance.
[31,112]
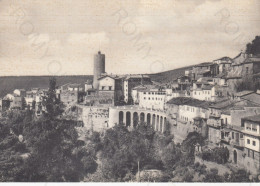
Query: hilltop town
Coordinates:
[219,100]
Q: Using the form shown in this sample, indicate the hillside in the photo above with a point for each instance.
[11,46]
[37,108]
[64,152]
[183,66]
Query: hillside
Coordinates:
[9,83]
[168,76]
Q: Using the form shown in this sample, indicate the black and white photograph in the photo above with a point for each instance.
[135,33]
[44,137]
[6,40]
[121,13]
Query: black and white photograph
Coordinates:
[130,91]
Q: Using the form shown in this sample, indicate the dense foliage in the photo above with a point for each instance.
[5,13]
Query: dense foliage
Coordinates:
[219,155]
[45,148]
[254,46]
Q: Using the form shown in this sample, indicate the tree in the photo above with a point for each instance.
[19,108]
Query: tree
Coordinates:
[33,104]
[56,153]
[23,103]
[212,176]
[254,46]
[52,104]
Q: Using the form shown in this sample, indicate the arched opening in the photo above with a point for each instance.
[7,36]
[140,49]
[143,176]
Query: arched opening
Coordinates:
[153,121]
[135,119]
[235,156]
[157,123]
[148,119]
[165,127]
[142,117]
[128,119]
[121,117]
[161,123]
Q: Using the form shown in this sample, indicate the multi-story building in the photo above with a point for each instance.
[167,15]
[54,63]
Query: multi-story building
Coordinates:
[251,133]
[131,81]
[152,98]
[201,70]
[243,66]
[110,89]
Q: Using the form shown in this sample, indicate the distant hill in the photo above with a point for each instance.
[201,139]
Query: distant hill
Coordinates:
[168,76]
[9,83]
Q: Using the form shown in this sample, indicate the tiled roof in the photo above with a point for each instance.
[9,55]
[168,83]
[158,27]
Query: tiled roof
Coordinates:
[222,75]
[255,118]
[132,76]
[253,97]
[253,60]
[189,101]
[243,93]
[146,87]
[205,64]
[223,104]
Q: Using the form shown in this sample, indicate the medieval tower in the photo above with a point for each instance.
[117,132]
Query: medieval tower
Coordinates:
[99,68]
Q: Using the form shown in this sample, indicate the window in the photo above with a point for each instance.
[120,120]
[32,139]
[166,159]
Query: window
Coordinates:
[248,141]
[247,70]
[241,136]
[253,154]
[248,152]
[253,143]
[110,88]
[232,135]
[103,87]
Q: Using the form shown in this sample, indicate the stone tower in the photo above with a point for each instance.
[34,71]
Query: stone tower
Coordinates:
[99,68]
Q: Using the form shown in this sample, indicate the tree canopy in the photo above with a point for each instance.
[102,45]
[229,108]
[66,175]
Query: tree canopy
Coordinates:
[254,46]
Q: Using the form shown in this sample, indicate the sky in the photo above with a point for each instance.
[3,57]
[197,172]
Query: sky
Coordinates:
[61,37]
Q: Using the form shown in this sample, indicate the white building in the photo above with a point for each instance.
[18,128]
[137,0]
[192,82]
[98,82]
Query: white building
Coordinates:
[251,132]
[206,93]
[153,98]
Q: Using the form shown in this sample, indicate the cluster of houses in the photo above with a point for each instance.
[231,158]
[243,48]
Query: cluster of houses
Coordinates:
[204,99]
[22,99]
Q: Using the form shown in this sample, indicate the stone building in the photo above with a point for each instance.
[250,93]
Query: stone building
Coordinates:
[111,89]
[131,81]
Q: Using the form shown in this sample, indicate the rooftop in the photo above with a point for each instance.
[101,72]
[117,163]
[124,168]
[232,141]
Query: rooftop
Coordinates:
[189,101]
[131,76]
[146,87]
[205,64]
[252,97]
[243,93]
[255,118]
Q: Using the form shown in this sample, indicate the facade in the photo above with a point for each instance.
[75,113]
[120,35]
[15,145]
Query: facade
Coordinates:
[201,70]
[131,116]
[110,88]
[20,92]
[206,93]
[251,133]
[131,81]
[69,97]
[153,98]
